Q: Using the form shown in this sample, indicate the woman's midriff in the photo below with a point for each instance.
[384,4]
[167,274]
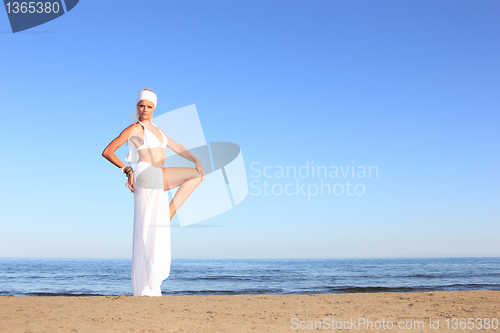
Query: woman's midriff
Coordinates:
[153,156]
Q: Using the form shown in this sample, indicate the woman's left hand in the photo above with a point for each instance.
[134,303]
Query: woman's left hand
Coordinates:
[199,167]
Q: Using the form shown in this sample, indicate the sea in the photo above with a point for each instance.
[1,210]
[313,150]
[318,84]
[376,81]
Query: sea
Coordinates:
[111,277]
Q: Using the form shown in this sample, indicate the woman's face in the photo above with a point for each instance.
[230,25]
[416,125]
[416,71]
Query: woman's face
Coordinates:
[146,109]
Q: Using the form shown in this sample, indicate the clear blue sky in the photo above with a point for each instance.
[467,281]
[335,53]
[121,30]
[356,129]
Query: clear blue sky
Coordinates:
[411,87]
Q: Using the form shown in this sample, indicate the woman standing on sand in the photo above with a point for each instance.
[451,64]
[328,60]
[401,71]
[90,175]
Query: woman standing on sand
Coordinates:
[149,181]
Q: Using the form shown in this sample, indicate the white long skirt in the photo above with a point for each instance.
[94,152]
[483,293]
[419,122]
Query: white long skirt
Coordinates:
[151,256]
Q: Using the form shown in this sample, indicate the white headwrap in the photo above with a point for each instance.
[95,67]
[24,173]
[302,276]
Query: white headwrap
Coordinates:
[132,156]
[143,94]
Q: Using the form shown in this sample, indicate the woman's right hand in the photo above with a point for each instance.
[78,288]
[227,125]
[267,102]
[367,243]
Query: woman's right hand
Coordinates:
[130,183]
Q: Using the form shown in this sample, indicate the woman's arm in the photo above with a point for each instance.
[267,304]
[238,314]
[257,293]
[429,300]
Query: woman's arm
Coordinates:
[109,151]
[179,149]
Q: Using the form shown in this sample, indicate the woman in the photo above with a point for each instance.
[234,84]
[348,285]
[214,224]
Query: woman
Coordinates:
[149,181]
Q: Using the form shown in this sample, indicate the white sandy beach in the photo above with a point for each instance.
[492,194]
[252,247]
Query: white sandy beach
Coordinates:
[253,313]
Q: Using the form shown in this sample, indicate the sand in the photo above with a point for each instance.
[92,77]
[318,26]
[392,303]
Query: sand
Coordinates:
[253,313]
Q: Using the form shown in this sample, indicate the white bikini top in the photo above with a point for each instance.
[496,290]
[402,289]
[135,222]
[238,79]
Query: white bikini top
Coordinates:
[151,140]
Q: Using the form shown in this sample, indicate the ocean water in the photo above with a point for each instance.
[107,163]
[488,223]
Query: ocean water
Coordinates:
[103,277]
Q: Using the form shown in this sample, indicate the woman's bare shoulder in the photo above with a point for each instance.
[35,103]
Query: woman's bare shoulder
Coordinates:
[132,129]
[136,125]
[160,129]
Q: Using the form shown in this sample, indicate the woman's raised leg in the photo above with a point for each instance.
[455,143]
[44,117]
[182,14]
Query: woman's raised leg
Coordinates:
[186,178]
